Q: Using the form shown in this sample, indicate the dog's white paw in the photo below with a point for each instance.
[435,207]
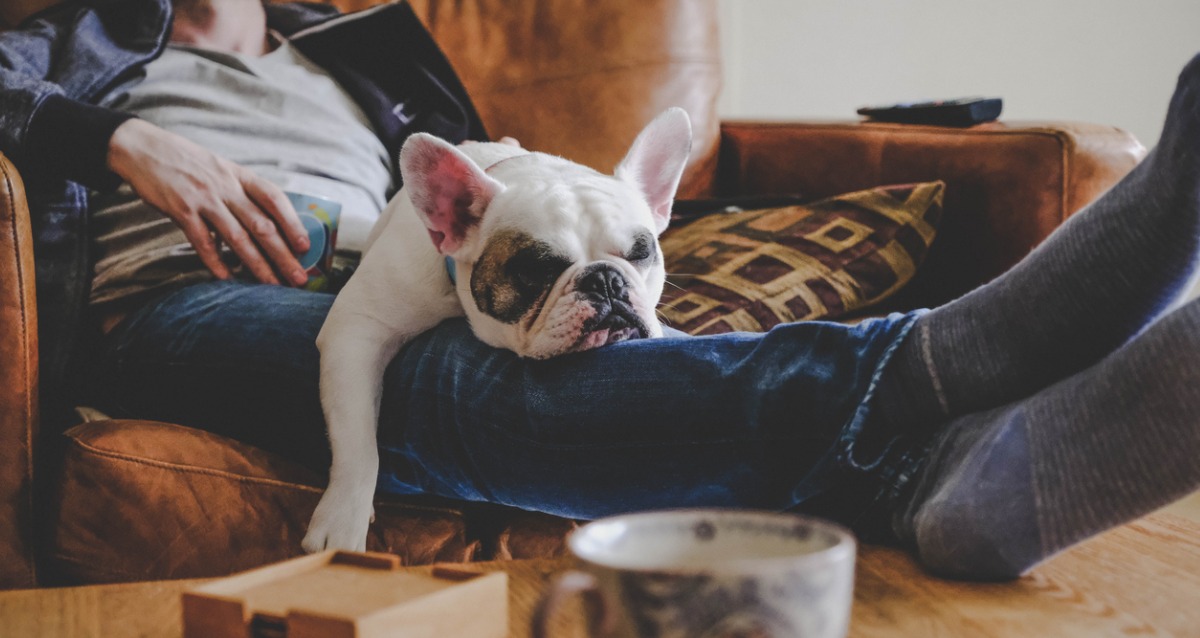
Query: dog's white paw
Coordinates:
[340,521]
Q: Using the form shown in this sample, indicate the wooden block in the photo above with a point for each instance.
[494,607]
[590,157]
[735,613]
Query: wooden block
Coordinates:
[348,595]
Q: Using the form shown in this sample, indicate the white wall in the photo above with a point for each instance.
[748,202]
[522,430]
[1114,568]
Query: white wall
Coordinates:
[1106,61]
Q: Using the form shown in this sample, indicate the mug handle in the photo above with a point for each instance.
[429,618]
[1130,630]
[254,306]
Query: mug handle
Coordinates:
[565,585]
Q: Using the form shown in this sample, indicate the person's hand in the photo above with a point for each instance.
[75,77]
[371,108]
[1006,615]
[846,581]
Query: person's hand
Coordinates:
[204,193]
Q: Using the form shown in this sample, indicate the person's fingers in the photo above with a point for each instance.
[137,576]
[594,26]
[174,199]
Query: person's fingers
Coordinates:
[199,190]
[271,199]
[230,229]
[198,235]
[265,234]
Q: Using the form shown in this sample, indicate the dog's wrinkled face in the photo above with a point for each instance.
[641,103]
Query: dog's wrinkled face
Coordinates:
[553,257]
[574,270]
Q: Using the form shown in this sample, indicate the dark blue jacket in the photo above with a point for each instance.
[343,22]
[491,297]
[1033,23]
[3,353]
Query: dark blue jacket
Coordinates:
[57,64]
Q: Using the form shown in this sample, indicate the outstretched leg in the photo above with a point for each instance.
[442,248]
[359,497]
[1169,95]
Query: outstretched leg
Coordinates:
[1093,284]
[747,420]
[1005,489]
[739,420]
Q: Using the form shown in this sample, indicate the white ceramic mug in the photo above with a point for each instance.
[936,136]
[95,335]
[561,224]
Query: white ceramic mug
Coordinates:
[708,573]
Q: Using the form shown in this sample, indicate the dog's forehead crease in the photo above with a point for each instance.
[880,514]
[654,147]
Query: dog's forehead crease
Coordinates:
[558,185]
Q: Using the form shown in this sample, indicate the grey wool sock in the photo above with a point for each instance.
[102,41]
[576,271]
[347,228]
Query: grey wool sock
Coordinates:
[1007,488]
[1092,285]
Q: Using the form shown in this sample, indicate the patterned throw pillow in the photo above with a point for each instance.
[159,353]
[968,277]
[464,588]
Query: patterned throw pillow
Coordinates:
[754,269]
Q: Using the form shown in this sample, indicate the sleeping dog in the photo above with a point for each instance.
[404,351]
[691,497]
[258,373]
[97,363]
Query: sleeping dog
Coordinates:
[543,256]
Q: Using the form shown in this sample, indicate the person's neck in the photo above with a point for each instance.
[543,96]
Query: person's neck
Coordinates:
[234,26]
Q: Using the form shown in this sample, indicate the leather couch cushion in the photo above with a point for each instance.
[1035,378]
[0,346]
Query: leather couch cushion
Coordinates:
[143,500]
[532,535]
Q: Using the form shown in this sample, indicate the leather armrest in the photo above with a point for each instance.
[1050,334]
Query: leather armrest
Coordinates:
[18,392]
[1008,184]
[12,12]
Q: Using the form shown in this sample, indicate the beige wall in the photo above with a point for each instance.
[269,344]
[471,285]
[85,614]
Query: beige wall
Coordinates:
[1107,61]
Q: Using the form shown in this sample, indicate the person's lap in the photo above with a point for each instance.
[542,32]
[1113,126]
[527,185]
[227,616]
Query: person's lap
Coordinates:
[739,420]
[237,360]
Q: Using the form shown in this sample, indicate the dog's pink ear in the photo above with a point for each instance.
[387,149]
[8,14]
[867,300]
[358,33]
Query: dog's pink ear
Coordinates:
[449,191]
[655,162]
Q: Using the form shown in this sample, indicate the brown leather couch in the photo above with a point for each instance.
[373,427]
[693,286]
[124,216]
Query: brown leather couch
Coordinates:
[135,500]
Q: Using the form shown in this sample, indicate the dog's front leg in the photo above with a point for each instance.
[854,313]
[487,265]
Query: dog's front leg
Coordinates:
[353,359]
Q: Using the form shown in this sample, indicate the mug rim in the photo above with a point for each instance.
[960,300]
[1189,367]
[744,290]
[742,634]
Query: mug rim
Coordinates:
[327,202]
[320,196]
[845,543]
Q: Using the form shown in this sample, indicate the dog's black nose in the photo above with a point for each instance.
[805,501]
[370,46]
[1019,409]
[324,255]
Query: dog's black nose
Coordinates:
[602,282]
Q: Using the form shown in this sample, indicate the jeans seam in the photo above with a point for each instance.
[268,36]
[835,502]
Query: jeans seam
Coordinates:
[854,426]
[892,484]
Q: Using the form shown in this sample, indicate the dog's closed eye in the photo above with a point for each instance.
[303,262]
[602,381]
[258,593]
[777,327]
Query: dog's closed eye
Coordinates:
[534,268]
[643,249]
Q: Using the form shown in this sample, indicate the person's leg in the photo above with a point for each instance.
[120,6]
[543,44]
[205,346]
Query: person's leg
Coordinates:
[752,420]
[1010,487]
[749,420]
[1093,284]
[743,420]
[235,359]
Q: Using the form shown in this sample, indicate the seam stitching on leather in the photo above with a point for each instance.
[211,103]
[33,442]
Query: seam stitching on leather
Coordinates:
[192,469]
[107,571]
[1064,143]
[1061,137]
[1039,131]
[177,467]
[27,406]
[608,70]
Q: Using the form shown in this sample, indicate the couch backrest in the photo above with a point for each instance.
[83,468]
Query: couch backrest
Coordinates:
[579,78]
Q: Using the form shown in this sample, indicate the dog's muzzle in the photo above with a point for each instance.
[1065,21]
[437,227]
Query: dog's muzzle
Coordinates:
[606,289]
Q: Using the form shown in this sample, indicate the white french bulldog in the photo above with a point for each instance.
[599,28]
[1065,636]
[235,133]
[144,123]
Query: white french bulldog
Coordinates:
[549,257]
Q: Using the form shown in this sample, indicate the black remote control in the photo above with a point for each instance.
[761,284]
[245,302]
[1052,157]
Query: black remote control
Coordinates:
[960,112]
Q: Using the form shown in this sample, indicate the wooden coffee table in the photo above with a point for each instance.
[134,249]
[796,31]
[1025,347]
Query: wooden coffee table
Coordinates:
[1142,579]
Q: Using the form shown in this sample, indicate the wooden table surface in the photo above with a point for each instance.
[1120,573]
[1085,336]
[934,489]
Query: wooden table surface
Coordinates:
[1142,579]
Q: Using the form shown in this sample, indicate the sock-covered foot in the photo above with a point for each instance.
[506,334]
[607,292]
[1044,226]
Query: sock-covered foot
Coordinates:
[1088,288]
[1005,489]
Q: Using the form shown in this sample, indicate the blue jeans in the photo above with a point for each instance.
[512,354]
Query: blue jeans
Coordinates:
[778,420]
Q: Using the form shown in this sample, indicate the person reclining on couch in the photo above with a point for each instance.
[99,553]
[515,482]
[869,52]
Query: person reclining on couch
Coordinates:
[984,435]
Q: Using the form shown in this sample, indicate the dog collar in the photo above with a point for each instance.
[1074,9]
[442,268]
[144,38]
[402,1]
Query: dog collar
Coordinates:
[450,270]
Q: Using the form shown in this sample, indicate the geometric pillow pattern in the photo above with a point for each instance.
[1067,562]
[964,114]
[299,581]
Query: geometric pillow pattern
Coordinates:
[751,270]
